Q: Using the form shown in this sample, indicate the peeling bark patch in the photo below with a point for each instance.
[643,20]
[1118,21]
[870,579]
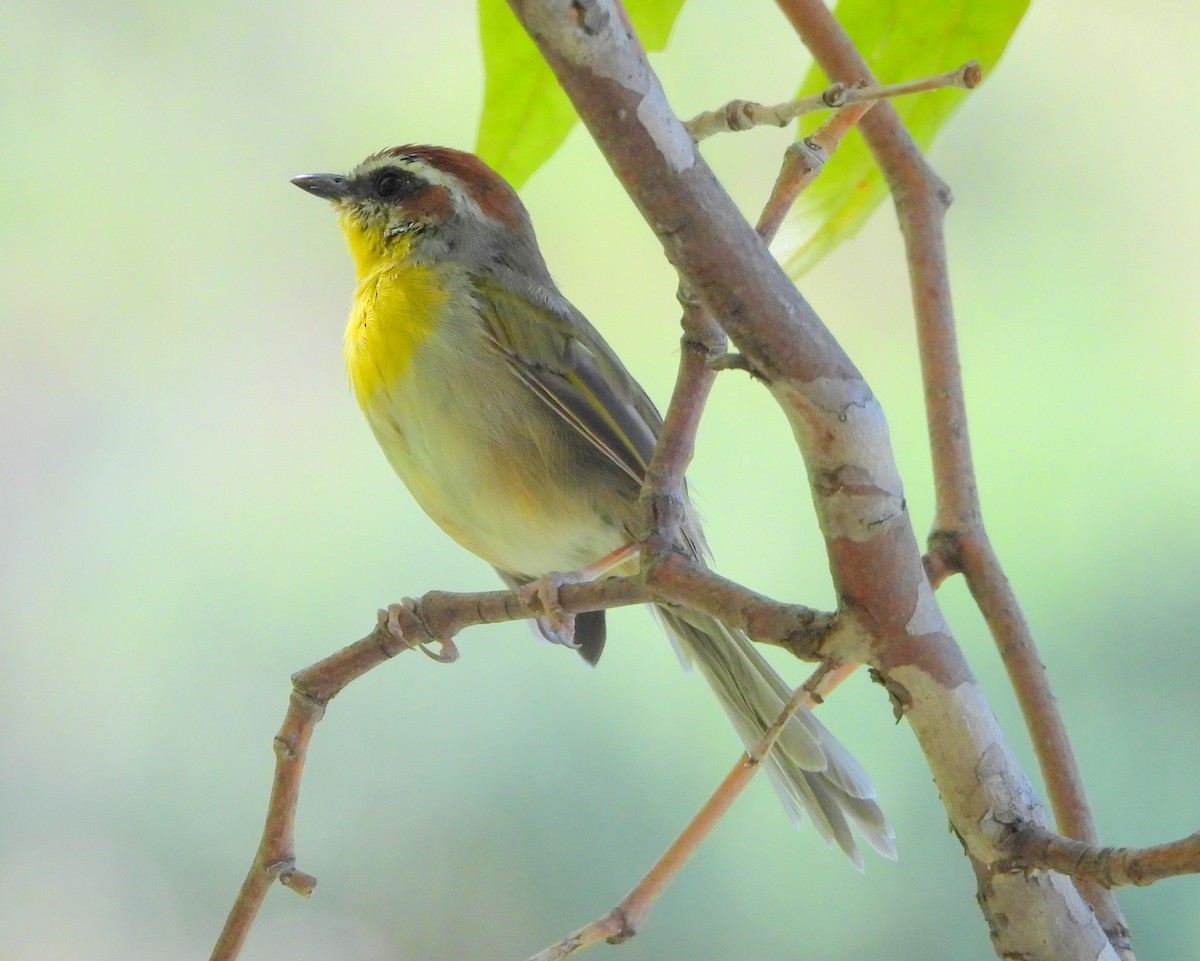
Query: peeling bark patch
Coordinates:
[670,136]
[927,618]
[594,44]
[934,654]
[878,577]
[855,510]
[841,426]
[1009,805]
[849,479]
[992,772]
[879,580]
[589,18]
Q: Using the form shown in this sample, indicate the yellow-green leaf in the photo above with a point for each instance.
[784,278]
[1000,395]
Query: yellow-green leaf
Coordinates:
[526,116]
[900,40]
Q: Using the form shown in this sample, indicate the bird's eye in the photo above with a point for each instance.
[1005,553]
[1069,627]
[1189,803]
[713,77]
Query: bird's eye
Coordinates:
[392,185]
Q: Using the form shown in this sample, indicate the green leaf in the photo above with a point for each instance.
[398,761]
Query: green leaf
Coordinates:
[526,116]
[900,40]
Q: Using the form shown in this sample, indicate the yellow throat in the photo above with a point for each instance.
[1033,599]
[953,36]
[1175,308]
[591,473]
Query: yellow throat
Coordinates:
[397,305]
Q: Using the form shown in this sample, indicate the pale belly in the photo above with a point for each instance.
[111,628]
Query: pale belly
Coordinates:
[475,448]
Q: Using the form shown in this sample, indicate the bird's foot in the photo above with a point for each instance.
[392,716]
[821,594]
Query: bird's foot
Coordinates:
[556,625]
[403,622]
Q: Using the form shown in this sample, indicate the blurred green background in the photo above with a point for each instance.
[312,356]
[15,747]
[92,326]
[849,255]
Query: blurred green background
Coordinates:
[191,507]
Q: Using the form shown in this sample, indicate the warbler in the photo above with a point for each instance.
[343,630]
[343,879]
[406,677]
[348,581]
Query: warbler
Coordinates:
[520,433]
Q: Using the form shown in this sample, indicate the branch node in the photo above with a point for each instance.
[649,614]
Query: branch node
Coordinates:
[628,928]
[1033,847]
[668,509]
[286,872]
[811,154]
[739,114]
[285,750]
[305,703]
[835,94]
[807,637]
[708,349]
[943,557]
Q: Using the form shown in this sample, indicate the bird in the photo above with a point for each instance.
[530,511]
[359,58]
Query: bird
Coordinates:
[518,430]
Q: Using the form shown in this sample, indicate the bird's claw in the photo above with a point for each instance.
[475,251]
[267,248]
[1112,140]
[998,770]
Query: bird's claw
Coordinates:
[557,625]
[447,655]
[394,619]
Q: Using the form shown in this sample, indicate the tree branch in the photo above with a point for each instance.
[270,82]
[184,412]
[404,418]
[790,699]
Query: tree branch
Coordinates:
[886,601]
[664,491]
[738,115]
[1033,847]
[436,618]
[959,540]
[802,162]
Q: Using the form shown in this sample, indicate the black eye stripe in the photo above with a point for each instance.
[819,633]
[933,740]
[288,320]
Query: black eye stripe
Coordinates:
[393,184]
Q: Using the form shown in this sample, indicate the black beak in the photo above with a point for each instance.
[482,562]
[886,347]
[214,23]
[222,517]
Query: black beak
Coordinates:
[325,186]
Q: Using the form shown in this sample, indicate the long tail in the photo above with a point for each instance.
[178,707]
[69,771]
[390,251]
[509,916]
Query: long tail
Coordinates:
[812,773]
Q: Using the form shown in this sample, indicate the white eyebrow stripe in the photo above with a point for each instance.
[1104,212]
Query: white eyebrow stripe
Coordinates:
[463,201]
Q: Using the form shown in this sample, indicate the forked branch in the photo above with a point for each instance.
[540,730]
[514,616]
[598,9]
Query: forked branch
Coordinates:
[435,619]
[1034,847]
[959,541]
[842,434]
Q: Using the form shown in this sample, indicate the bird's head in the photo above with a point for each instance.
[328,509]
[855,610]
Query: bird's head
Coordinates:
[423,204]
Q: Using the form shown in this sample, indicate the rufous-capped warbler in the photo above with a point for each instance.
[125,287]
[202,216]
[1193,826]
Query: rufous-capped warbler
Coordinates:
[518,430]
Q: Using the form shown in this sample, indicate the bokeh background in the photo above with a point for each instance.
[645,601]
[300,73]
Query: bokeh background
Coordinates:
[191,507]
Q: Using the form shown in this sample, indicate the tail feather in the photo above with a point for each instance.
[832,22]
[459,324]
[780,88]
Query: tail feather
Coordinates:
[811,771]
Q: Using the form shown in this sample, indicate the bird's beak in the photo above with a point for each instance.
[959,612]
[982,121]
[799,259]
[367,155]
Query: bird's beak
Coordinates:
[326,186]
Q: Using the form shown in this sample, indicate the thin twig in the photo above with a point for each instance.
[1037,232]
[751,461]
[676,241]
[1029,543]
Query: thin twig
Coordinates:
[1034,847]
[921,201]
[802,162]
[733,361]
[626,919]
[275,858]
[738,115]
[664,491]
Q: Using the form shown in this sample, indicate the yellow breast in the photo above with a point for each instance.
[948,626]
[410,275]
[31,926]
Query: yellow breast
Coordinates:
[396,307]
[479,450]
